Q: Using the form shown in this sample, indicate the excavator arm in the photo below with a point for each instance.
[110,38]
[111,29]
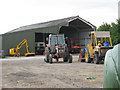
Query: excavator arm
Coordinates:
[15,51]
[21,44]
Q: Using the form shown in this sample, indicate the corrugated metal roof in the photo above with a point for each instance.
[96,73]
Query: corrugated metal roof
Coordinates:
[51,23]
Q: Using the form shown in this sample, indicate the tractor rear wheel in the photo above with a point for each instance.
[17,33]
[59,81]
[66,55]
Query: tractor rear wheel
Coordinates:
[46,58]
[46,54]
[50,59]
[70,58]
[57,59]
[87,57]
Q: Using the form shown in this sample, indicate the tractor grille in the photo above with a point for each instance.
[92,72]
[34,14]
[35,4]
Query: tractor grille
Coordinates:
[60,49]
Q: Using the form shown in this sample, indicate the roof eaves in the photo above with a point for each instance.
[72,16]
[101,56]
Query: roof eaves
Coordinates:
[73,18]
[91,25]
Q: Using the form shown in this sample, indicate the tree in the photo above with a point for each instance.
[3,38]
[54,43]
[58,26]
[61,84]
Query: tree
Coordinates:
[118,21]
[114,33]
[104,27]
[114,29]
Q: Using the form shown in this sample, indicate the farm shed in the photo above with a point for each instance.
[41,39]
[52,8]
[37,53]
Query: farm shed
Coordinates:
[73,27]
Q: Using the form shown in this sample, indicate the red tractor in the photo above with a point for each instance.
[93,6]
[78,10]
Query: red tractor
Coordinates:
[56,48]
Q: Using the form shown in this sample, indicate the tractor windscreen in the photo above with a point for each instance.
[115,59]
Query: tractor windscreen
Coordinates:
[53,40]
[57,40]
[61,40]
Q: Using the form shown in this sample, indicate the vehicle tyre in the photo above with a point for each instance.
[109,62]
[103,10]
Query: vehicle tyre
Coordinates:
[46,54]
[65,59]
[57,59]
[70,58]
[50,59]
[97,58]
[83,52]
[46,58]
[87,56]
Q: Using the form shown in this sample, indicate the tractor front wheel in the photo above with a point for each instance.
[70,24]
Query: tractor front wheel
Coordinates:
[57,59]
[65,59]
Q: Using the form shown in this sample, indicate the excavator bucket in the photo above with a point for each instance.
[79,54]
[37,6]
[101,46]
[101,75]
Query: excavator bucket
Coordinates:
[29,54]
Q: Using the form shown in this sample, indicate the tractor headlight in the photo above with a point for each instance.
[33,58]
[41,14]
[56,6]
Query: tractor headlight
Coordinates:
[61,50]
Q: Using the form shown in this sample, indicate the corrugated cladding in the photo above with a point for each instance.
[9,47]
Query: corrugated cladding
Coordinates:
[11,40]
[0,42]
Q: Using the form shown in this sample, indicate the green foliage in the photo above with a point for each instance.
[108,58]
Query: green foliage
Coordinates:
[114,33]
[104,27]
[114,29]
[118,21]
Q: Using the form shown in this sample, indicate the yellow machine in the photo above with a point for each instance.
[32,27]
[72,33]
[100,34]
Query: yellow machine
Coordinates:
[100,43]
[15,51]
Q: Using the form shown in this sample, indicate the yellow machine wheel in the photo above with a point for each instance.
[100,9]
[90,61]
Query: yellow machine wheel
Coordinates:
[86,57]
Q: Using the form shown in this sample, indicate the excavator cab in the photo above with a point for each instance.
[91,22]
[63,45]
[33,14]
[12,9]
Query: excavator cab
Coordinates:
[101,37]
[100,44]
[12,51]
[15,51]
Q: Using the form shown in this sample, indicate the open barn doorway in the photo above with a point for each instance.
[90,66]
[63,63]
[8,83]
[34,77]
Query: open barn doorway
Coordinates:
[72,40]
[77,32]
[39,43]
[41,39]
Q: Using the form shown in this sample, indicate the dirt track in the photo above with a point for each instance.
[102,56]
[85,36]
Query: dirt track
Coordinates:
[33,72]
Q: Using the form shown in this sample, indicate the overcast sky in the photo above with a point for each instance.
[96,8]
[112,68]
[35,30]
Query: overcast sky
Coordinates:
[16,13]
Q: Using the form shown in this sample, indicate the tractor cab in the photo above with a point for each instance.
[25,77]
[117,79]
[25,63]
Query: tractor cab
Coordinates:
[56,41]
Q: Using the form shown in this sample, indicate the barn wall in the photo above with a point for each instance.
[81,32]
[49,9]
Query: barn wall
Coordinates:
[11,40]
[0,42]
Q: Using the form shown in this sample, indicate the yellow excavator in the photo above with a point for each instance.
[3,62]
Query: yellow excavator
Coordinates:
[15,51]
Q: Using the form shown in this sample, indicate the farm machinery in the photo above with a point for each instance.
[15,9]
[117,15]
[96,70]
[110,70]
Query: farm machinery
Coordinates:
[15,51]
[56,48]
[74,46]
[100,44]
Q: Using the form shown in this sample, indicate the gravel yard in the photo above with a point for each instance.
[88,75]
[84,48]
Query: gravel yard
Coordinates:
[33,72]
